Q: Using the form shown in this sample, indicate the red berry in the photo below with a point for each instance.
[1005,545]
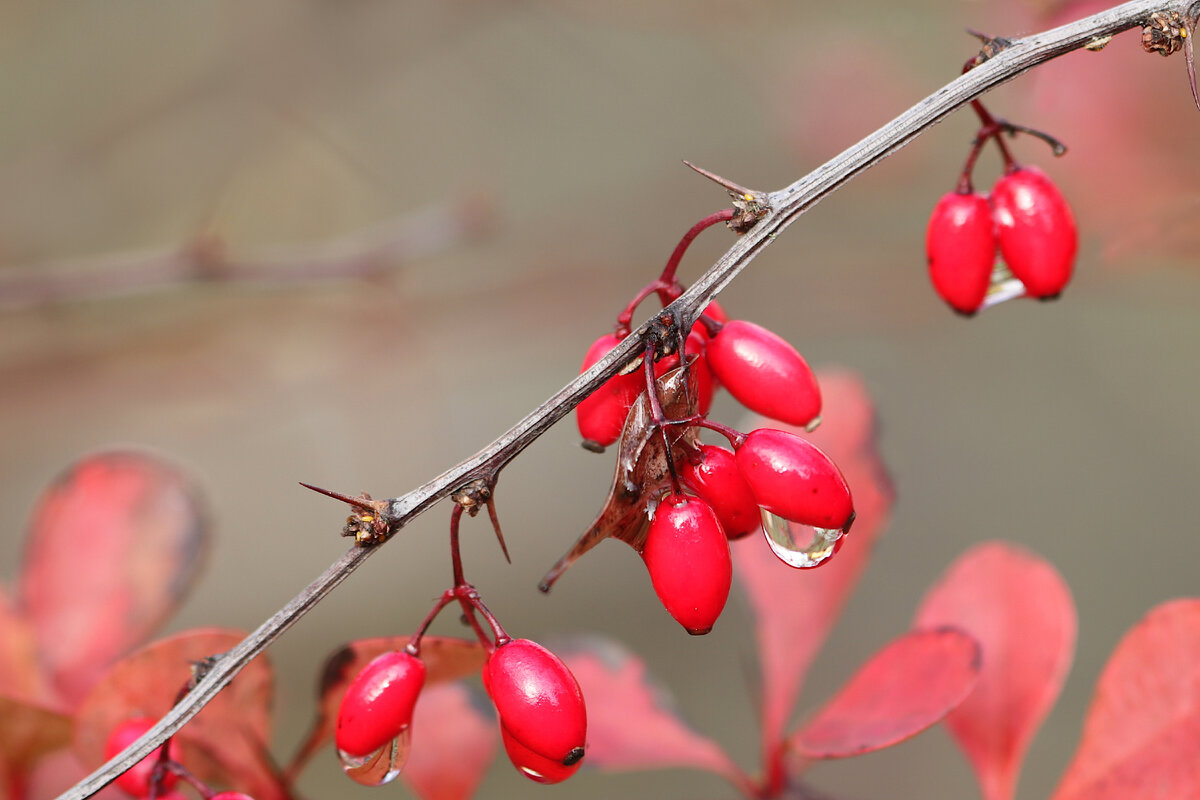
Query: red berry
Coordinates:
[687,555]
[230,796]
[716,478]
[694,346]
[764,373]
[1036,231]
[378,704]
[533,766]
[542,717]
[136,780]
[794,480]
[601,415]
[961,246]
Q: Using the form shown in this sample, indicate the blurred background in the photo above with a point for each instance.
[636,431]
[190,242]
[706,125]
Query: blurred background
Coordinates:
[507,174]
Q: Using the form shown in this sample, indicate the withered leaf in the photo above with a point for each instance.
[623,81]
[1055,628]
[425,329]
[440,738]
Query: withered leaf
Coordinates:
[642,475]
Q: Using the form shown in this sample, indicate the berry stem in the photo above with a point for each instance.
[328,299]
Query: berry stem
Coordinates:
[666,285]
[455,555]
[734,436]
[668,273]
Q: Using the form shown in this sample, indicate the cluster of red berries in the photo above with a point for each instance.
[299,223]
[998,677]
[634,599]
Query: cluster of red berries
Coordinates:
[154,769]
[1025,219]
[543,722]
[716,494]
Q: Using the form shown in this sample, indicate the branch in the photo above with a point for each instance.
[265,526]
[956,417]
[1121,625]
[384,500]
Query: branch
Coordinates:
[783,207]
[362,255]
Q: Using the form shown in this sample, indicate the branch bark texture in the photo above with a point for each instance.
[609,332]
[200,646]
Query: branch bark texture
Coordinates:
[784,206]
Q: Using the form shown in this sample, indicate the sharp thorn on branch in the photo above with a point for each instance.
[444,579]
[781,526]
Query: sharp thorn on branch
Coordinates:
[359,502]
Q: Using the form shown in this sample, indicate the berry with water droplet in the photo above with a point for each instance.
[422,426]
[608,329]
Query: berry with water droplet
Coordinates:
[601,415]
[764,372]
[687,556]
[1035,230]
[716,478]
[543,721]
[136,779]
[793,479]
[378,704]
[960,243]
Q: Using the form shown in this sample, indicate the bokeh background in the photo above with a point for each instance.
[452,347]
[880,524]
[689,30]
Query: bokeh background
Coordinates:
[526,158]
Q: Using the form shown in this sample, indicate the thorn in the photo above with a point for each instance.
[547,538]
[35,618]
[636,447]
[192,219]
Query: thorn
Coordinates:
[734,188]
[491,507]
[345,498]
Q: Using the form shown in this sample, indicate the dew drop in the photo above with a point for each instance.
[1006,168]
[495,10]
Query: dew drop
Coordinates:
[813,548]
[380,767]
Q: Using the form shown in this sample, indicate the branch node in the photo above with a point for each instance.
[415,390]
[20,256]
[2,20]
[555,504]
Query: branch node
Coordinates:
[368,522]
[751,205]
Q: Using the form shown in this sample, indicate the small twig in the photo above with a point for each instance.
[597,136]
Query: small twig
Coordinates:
[784,207]
[363,255]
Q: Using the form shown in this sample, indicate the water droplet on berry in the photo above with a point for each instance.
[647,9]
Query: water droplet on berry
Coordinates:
[380,767]
[800,546]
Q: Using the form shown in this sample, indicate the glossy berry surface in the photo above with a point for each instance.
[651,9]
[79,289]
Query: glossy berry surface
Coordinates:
[764,373]
[793,479]
[687,556]
[715,477]
[960,244]
[378,704]
[601,415]
[231,796]
[542,716]
[1035,230]
[136,780]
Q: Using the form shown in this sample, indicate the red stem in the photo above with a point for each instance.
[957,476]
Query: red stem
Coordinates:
[668,273]
[666,285]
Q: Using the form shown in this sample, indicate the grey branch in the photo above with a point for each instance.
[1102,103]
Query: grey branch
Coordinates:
[785,206]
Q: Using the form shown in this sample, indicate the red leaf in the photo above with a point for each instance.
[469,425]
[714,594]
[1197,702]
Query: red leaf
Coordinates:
[225,743]
[453,742]
[21,674]
[630,724]
[1019,609]
[906,687]
[113,546]
[445,659]
[794,610]
[28,732]
[1142,735]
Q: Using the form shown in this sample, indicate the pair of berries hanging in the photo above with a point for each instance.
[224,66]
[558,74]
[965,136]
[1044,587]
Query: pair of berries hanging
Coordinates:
[1024,220]
[677,501]
[543,720]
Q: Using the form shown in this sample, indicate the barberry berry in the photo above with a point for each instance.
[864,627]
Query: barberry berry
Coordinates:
[378,704]
[542,717]
[136,780]
[793,479]
[715,477]
[230,796]
[687,556]
[601,415]
[1035,230]
[764,372]
[960,244]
